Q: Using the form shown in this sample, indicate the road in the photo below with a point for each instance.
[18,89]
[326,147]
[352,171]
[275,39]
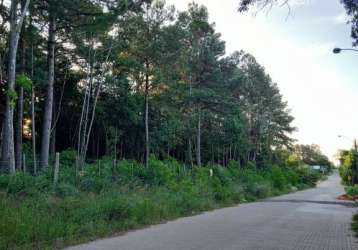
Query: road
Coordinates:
[310,219]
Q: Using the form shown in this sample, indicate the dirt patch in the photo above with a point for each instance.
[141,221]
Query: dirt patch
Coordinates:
[346,197]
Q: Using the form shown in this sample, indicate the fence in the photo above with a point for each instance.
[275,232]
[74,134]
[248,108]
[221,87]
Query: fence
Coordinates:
[34,167]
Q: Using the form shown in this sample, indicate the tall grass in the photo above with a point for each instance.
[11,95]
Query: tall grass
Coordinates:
[99,201]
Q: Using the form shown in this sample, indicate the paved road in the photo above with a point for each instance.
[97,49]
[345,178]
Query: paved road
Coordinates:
[311,219]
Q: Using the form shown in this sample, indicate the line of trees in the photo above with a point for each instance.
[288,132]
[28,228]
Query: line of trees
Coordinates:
[130,79]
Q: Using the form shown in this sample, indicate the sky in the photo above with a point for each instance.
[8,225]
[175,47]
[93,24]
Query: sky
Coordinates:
[295,47]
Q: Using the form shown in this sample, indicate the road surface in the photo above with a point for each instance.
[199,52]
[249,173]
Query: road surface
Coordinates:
[311,219]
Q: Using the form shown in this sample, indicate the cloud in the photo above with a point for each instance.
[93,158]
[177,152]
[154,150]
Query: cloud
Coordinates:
[341,18]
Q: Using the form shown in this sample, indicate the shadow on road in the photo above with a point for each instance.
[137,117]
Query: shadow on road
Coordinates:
[340,203]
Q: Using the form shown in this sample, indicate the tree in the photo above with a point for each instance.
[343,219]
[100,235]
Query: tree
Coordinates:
[201,66]
[7,148]
[146,51]
[269,120]
[352,11]
[48,108]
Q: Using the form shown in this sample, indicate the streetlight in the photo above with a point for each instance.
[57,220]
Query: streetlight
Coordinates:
[339,50]
[355,173]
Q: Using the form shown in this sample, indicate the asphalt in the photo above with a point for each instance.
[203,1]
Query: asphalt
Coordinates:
[310,219]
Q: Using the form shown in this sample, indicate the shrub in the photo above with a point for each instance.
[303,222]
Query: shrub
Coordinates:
[65,189]
[308,177]
[92,204]
[68,158]
[21,184]
[4,181]
[352,190]
[355,224]
[278,178]
[259,190]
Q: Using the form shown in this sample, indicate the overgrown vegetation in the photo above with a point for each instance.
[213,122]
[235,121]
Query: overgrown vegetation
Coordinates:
[355,224]
[349,175]
[352,190]
[129,80]
[347,170]
[103,200]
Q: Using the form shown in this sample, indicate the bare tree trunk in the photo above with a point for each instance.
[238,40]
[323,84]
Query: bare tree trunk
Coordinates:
[84,128]
[33,120]
[190,153]
[84,152]
[7,148]
[53,130]
[33,130]
[147,149]
[53,142]
[47,120]
[230,153]
[198,142]
[20,108]
[18,130]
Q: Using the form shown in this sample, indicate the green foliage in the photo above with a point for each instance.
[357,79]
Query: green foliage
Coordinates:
[352,190]
[24,81]
[68,158]
[348,163]
[355,224]
[65,190]
[12,94]
[97,205]
[278,178]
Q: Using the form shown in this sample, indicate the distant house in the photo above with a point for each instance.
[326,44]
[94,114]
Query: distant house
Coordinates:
[316,167]
[319,168]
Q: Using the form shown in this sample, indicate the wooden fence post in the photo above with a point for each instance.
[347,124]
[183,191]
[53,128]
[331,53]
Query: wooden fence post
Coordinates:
[57,166]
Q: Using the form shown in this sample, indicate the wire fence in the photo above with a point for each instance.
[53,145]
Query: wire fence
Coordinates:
[28,164]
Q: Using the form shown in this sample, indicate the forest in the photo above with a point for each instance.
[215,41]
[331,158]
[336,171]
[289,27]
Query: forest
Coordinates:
[132,79]
[152,118]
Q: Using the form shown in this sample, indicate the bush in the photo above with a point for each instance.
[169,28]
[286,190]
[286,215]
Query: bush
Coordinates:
[93,204]
[260,190]
[278,178]
[4,181]
[355,224]
[352,190]
[68,158]
[308,177]
[65,190]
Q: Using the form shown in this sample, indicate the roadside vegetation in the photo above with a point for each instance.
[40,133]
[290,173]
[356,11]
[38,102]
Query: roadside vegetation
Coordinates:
[153,119]
[348,160]
[355,224]
[102,200]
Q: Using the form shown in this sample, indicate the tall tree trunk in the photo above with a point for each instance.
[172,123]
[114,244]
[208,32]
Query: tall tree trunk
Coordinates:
[198,142]
[18,130]
[147,149]
[20,107]
[33,130]
[33,114]
[7,148]
[47,120]
[53,142]
[53,130]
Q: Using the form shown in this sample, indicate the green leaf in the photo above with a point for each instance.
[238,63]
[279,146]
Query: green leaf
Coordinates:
[24,81]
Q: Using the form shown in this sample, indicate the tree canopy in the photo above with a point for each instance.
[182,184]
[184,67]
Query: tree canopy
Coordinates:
[138,78]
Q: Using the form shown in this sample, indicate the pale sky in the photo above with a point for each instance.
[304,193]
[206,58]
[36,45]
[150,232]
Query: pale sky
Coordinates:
[296,50]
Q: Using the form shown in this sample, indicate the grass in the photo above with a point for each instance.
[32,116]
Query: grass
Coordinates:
[101,202]
[355,224]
